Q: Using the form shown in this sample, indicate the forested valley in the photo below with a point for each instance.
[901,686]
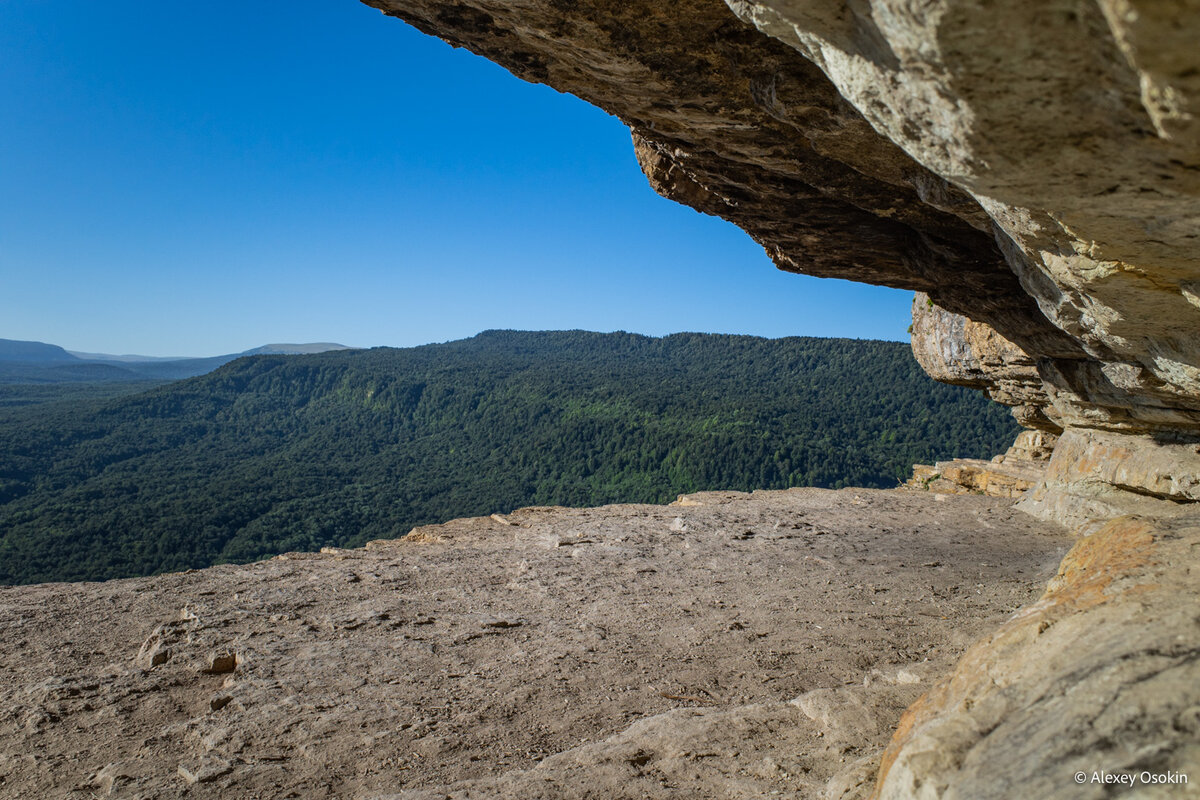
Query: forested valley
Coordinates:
[270,454]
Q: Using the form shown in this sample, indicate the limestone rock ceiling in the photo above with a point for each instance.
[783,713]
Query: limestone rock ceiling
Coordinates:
[1034,167]
[956,350]
[1074,125]
[739,125]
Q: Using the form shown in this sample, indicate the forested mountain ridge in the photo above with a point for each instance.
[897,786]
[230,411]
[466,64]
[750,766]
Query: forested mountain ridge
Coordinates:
[272,453]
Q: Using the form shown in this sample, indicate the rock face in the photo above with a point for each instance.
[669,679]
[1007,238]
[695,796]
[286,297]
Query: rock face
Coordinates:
[1033,169]
[956,350]
[1012,474]
[1102,670]
[1095,476]
[1073,126]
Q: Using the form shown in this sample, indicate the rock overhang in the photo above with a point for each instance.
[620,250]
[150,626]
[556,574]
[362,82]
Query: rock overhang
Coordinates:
[1033,169]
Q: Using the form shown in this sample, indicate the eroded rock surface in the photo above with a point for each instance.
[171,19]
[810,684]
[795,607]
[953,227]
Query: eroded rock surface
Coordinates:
[1104,669]
[729,646]
[1012,474]
[959,351]
[1034,168]
[1074,127]
[1094,476]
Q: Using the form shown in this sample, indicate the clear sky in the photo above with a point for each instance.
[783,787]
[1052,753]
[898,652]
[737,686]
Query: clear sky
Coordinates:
[202,178]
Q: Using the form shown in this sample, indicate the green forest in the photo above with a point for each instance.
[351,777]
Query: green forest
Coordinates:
[270,454]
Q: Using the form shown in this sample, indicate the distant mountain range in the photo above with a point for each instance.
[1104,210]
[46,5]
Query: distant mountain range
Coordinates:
[39,362]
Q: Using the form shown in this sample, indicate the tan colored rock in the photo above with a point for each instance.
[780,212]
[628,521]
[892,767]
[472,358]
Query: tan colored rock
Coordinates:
[1075,128]
[1096,475]
[1031,446]
[114,777]
[855,782]
[220,663]
[205,770]
[1100,675]
[842,713]
[975,476]
[956,350]
[157,650]
[153,653]
[1012,474]
[648,663]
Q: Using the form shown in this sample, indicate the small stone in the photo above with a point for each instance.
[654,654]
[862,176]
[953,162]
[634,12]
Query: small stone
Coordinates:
[208,769]
[154,651]
[221,663]
[112,777]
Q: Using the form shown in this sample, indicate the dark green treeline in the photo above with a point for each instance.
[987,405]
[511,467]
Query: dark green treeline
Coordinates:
[276,453]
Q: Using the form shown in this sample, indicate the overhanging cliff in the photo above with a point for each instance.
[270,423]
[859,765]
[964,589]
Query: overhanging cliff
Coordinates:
[1034,169]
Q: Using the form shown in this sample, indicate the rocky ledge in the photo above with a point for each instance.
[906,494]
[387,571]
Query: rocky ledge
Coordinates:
[1010,474]
[730,645]
[727,646]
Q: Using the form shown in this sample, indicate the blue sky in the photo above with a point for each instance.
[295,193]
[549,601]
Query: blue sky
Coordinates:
[194,179]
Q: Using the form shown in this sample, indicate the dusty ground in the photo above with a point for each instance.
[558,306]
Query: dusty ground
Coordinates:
[655,649]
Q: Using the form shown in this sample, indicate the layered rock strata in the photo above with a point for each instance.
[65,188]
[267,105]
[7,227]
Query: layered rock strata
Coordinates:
[959,351]
[1011,474]
[1100,677]
[1073,126]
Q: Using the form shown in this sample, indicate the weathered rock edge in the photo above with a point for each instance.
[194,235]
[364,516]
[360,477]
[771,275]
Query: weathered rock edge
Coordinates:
[1074,126]
[1100,675]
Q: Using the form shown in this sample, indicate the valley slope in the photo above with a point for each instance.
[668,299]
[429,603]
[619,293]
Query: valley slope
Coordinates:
[273,453]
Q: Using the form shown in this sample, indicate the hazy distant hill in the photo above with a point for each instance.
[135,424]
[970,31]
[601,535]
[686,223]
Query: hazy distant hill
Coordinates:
[33,352]
[38,362]
[295,349]
[122,359]
[265,350]
[276,453]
